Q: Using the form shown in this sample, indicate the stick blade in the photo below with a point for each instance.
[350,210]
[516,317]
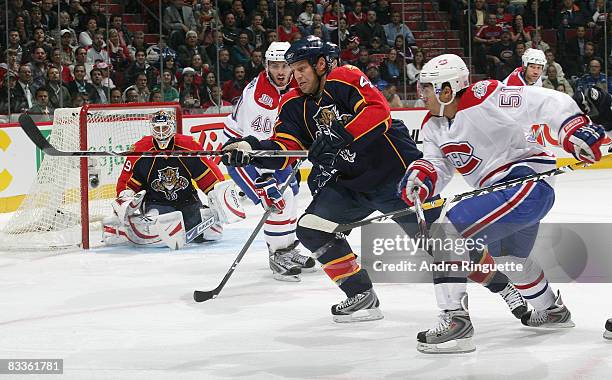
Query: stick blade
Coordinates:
[201,296]
[34,134]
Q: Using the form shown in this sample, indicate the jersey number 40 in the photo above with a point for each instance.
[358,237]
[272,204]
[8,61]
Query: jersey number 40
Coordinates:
[258,126]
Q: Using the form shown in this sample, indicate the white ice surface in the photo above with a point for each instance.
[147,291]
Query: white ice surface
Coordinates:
[123,313]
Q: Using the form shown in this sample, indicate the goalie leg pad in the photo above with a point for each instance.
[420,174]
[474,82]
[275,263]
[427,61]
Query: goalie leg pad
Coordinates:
[127,204]
[225,202]
[215,231]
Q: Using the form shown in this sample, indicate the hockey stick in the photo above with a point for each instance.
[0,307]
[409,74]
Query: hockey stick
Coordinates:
[34,134]
[318,223]
[200,295]
[199,229]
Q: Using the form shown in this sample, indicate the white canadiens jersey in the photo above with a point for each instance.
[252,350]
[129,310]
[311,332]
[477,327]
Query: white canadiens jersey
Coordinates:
[255,112]
[487,137]
[517,78]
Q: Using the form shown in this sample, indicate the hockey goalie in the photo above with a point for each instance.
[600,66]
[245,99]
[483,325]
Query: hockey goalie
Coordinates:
[157,203]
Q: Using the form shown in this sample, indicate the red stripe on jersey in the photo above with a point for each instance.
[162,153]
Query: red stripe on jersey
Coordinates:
[477,93]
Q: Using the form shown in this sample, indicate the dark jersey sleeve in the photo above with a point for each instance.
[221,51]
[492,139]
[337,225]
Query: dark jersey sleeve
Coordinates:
[353,91]
[130,177]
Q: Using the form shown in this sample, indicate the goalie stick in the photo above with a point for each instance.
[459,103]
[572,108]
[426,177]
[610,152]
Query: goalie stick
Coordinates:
[34,134]
[205,295]
[315,222]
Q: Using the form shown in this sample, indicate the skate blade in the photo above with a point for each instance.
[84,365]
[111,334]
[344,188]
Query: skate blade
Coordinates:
[286,278]
[309,270]
[360,316]
[607,335]
[456,346]
[563,325]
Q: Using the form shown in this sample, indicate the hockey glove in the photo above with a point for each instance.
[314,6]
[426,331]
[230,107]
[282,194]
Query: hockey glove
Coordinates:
[328,143]
[266,188]
[421,175]
[582,139]
[238,151]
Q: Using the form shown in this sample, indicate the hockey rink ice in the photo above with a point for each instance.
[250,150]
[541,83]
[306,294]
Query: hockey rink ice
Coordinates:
[125,313]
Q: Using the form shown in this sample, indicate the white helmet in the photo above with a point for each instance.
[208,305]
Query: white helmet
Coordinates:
[535,56]
[163,128]
[445,68]
[276,51]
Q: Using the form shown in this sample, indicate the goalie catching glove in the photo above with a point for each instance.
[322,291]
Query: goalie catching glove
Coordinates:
[420,177]
[266,188]
[582,139]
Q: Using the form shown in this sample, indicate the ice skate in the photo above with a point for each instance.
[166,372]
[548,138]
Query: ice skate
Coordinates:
[306,263]
[608,332]
[283,269]
[556,316]
[359,308]
[453,334]
[514,300]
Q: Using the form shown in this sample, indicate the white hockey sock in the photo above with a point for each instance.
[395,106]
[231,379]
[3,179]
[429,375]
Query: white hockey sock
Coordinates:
[279,229]
[530,282]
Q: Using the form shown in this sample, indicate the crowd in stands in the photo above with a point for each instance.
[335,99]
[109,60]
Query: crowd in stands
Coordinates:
[206,55]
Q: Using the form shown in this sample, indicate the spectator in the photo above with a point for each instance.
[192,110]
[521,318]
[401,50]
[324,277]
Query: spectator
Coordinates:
[537,42]
[478,15]
[98,95]
[36,19]
[553,81]
[12,64]
[268,22]
[94,12]
[241,52]
[356,15]
[229,30]
[504,19]
[106,70]
[575,47]
[317,21]
[351,53]
[207,17]
[271,36]
[256,31]
[15,44]
[118,53]
[115,96]
[383,12]
[414,68]
[191,48]
[123,33]
[517,7]
[305,18]
[373,73]
[255,65]
[23,92]
[397,28]
[76,12]
[370,29]
[130,95]
[487,36]
[139,66]
[232,89]
[598,15]
[59,96]
[142,87]
[364,59]
[239,14]
[7,95]
[169,63]
[41,110]
[391,69]
[179,19]
[97,52]
[288,32]
[55,60]
[393,99]
[550,61]
[589,55]
[16,10]
[67,50]
[570,16]
[170,93]
[210,81]
[20,26]
[156,96]
[49,16]
[199,68]
[331,17]
[137,44]
[216,104]
[341,34]
[520,32]
[226,69]
[502,50]
[189,94]
[39,41]
[404,52]
[38,65]
[594,78]
[544,19]
[80,58]
[86,37]
[79,86]
[65,25]
[283,9]
[377,46]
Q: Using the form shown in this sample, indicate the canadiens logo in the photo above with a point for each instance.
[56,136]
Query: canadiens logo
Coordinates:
[169,181]
[462,156]
[266,99]
[480,88]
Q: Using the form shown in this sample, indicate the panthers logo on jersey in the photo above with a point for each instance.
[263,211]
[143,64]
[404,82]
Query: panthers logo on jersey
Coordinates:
[169,181]
[326,115]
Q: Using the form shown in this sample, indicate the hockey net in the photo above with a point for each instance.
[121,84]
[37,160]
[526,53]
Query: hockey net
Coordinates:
[70,196]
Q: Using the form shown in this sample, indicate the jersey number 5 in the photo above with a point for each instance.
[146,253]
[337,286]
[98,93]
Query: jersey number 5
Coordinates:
[257,125]
[511,99]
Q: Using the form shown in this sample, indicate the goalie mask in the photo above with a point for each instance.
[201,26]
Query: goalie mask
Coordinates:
[163,128]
